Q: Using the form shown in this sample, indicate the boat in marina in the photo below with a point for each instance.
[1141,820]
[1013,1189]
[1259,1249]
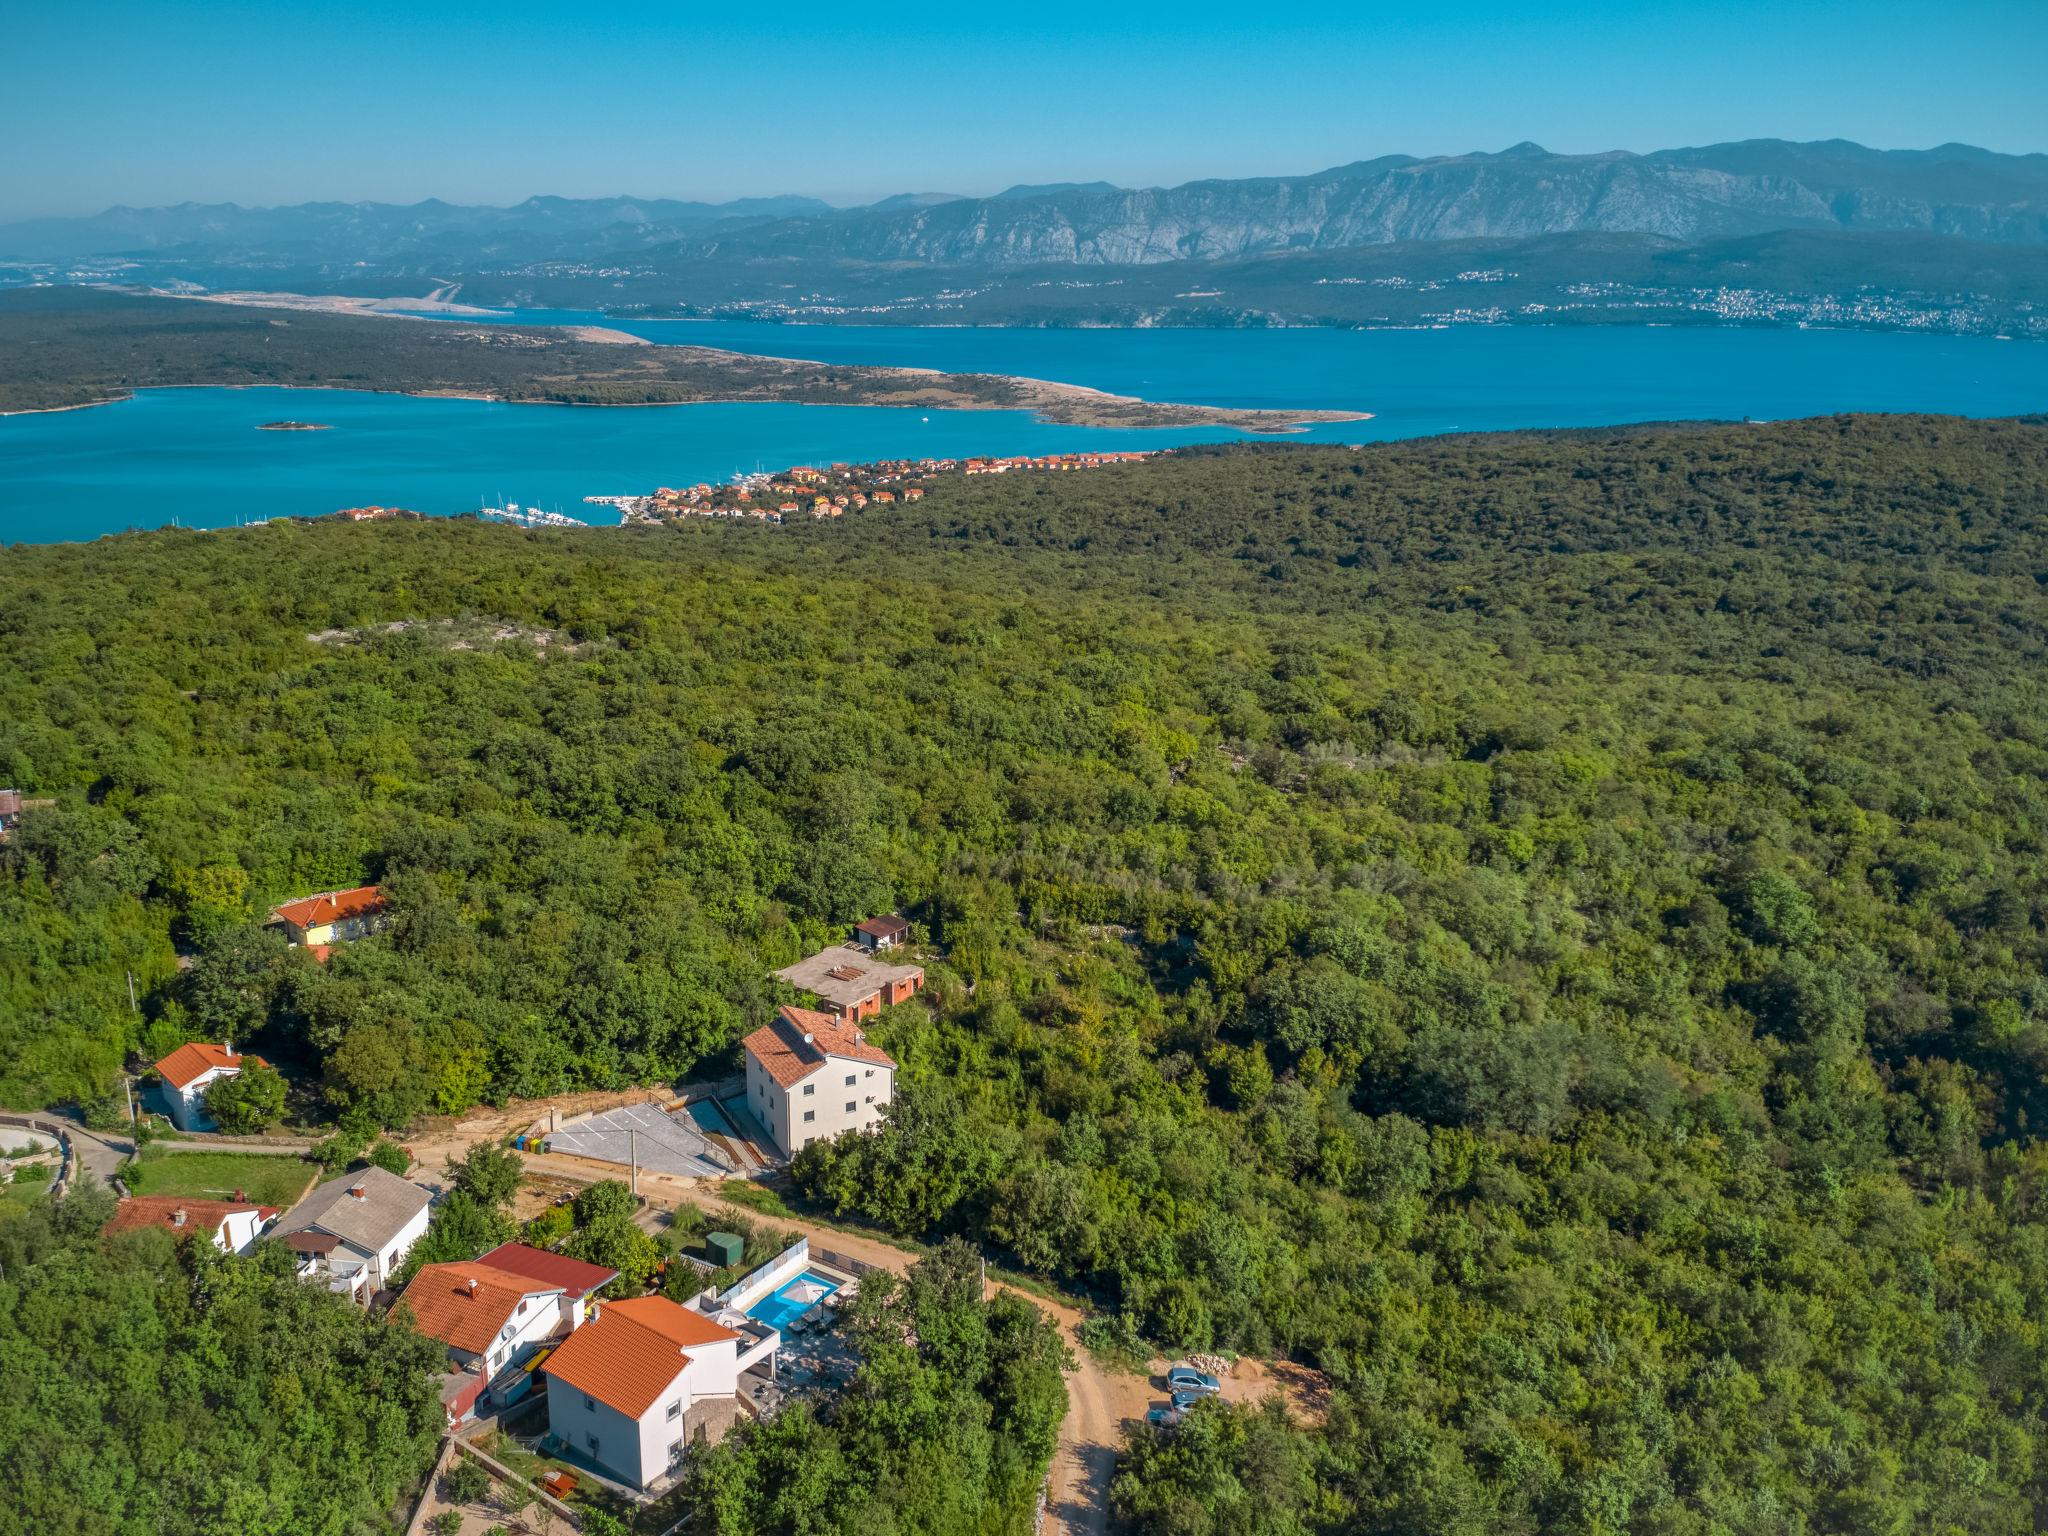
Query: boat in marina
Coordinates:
[528,517]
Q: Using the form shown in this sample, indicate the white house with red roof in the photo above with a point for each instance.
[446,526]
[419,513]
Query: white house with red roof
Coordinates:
[576,1280]
[497,1314]
[192,1069]
[643,1380]
[231,1225]
[332,917]
[811,1076]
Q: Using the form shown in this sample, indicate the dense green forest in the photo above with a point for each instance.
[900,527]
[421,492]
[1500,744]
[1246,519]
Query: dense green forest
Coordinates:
[1548,929]
[156,1386]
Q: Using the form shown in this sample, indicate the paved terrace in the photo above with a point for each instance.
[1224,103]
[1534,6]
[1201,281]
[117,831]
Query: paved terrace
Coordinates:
[665,1143]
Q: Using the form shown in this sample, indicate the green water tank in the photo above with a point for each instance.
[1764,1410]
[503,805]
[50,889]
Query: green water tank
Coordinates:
[725,1248]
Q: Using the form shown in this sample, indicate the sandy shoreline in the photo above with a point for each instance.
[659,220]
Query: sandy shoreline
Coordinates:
[1078,414]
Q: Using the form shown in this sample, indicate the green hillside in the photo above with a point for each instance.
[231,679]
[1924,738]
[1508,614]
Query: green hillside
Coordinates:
[1547,929]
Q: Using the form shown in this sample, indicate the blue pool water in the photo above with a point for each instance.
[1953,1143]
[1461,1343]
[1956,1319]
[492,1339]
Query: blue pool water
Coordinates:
[780,1310]
[195,456]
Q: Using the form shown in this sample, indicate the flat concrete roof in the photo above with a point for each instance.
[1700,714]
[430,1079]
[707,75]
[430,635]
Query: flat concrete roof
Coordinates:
[845,975]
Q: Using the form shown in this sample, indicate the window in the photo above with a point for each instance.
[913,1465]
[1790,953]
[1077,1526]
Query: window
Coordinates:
[675,1409]
[522,1309]
[810,1114]
[591,1404]
[849,1079]
[851,1106]
[591,1441]
[809,1089]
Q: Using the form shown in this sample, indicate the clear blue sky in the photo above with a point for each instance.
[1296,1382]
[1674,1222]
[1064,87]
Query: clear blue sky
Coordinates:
[285,101]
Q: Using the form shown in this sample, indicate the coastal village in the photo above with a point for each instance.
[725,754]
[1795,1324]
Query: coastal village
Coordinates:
[836,489]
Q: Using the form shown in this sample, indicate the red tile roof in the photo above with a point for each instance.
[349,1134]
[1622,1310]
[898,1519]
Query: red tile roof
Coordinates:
[139,1211]
[190,1062]
[331,906]
[464,1305]
[575,1277]
[632,1352]
[788,1058]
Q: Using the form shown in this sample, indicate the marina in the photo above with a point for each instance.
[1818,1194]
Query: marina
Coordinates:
[527,517]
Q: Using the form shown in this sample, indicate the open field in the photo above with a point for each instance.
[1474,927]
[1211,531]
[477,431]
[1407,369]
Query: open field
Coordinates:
[278,1181]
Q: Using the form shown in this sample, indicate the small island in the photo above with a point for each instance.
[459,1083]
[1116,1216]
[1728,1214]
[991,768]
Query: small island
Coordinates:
[295,426]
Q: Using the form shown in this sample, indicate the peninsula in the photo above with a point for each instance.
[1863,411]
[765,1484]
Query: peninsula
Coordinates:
[87,346]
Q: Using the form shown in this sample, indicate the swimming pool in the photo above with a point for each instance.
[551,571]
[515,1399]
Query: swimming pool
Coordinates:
[792,1300]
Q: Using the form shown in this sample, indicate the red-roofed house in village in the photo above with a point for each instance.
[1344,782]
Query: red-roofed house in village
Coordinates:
[810,1075]
[231,1225]
[497,1314]
[332,917]
[192,1069]
[645,1378]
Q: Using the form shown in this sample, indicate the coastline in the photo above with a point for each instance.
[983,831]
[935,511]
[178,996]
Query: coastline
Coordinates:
[1076,399]
[1051,401]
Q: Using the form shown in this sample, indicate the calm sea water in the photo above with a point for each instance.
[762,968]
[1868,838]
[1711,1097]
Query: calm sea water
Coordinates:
[196,457]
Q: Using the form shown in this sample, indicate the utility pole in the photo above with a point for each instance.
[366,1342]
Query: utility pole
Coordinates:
[633,1142]
[133,1007]
[128,1097]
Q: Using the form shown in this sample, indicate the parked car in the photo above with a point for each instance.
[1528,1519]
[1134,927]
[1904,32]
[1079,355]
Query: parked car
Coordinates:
[1183,1401]
[1162,1418]
[1185,1378]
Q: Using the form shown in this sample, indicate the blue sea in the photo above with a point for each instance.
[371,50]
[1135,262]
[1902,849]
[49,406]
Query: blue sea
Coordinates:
[195,456]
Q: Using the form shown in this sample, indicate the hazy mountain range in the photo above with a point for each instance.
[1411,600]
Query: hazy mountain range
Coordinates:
[1716,192]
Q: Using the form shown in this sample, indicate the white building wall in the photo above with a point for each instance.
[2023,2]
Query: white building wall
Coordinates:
[394,1254]
[188,1104]
[593,1429]
[769,1103]
[240,1230]
[842,1095]
[517,1338]
[833,1103]
[711,1370]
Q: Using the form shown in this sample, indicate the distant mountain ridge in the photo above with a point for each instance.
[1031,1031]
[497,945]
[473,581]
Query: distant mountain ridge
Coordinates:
[1718,192]
[1712,192]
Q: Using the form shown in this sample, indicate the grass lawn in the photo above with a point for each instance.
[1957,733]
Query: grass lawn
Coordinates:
[278,1181]
[16,1198]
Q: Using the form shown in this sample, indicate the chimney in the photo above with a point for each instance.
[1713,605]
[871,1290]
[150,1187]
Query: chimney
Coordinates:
[227,1047]
[472,1285]
[356,1190]
[178,1217]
